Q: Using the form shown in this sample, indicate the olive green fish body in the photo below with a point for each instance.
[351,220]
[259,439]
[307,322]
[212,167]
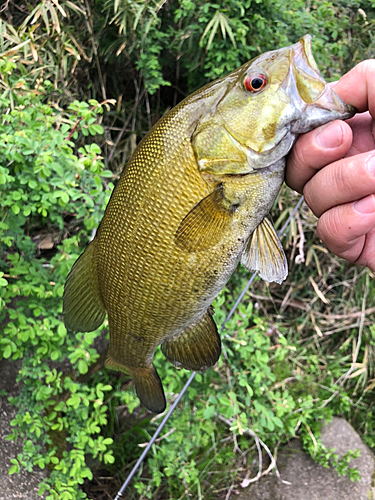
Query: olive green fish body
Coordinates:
[192,203]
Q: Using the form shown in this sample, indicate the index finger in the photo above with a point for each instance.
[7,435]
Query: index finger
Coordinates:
[357,87]
[331,142]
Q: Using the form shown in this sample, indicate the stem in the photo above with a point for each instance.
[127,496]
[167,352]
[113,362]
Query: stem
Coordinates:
[110,101]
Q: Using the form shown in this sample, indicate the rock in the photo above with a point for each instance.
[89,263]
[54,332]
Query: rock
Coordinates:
[311,481]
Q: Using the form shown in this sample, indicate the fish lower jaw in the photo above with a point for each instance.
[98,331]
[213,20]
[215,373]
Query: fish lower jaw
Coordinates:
[320,115]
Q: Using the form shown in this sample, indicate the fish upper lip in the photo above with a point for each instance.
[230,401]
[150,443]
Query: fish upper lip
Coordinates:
[305,41]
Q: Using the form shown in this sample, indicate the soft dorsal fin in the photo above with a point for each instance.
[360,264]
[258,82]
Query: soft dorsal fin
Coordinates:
[264,253]
[197,348]
[83,307]
[204,225]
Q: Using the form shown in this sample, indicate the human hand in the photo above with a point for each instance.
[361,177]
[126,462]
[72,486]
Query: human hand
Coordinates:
[342,194]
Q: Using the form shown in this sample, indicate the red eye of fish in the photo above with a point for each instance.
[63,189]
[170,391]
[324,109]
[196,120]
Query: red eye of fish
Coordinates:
[255,83]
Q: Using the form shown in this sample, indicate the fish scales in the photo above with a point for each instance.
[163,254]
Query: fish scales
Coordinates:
[189,206]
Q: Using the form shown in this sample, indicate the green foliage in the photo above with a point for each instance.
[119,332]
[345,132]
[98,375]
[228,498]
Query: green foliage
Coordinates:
[220,36]
[43,181]
[149,55]
[327,458]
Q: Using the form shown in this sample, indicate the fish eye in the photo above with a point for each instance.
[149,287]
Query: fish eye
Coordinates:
[255,83]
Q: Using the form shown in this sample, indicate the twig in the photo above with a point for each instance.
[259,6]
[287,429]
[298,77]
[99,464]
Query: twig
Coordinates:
[88,20]
[306,307]
[312,438]
[318,292]
[119,137]
[344,377]
[143,445]
[251,433]
[301,256]
[283,382]
[107,101]
[245,483]
[229,491]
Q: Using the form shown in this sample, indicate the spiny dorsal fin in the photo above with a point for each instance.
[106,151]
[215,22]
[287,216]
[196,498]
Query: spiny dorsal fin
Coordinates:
[264,253]
[204,225]
[198,348]
[83,307]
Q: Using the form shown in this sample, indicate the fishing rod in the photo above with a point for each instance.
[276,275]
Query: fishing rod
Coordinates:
[192,376]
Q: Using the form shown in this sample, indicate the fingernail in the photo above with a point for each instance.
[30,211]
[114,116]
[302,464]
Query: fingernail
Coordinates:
[366,205]
[330,136]
[370,164]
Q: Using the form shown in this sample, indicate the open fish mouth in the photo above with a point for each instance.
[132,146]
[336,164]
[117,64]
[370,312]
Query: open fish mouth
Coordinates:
[305,41]
[311,86]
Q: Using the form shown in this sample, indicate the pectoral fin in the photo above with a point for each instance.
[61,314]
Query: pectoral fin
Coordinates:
[147,383]
[198,348]
[204,225]
[83,307]
[264,253]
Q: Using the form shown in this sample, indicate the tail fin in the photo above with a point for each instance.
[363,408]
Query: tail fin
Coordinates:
[147,383]
[149,389]
[83,307]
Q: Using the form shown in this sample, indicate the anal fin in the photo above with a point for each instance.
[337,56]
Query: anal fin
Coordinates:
[147,383]
[197,348]
[83,307]
[264,253]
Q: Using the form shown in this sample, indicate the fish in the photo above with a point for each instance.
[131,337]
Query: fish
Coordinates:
[192,203]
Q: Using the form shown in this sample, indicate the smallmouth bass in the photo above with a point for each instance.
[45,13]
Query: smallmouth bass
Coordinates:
[189,206]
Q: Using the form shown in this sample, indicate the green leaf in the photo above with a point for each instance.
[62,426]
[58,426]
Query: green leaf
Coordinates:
[3,281]
[109,458]
[106,173]
[16,209]
[55,355]
[25,334]
[209,412]
[86,472]
[15,468]
[7,351]
[82,366]
[98,129]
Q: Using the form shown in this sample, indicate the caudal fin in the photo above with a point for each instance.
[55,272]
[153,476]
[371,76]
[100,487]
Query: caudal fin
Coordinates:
[149,389]
[147,383]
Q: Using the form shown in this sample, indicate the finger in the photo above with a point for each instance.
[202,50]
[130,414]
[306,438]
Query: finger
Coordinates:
[316,149]
[367,257]
[363,127]
[349,231]
[343,181]
[357,86]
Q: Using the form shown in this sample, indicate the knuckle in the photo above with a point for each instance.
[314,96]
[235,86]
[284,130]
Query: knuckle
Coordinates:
[309,198]
[364,68]
[329,229]
[299,153]
[312,197]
